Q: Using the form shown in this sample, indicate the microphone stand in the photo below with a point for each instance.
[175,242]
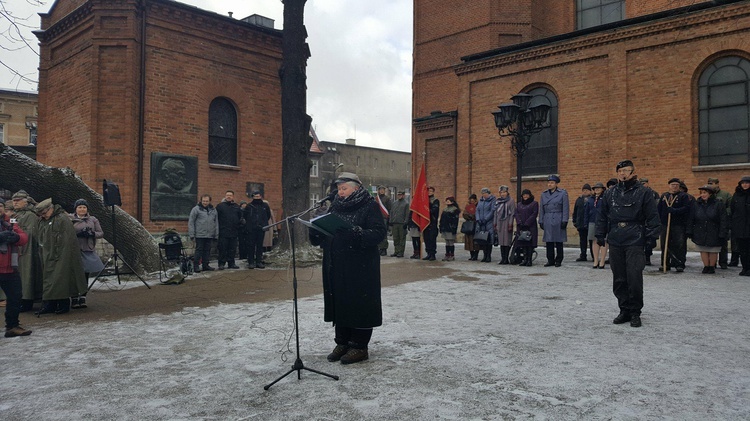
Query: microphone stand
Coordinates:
[298,365]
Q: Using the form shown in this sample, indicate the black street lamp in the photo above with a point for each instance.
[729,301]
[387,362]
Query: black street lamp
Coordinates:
[519,121]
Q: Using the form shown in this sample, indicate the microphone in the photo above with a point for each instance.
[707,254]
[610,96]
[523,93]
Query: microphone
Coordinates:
[329,198]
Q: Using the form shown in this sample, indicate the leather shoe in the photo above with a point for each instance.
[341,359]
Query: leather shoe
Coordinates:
[582,259]
[558,264]
[622,318]
[635,321]
[548,264]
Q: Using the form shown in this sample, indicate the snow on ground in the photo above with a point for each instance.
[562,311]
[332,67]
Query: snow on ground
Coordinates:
[487,342]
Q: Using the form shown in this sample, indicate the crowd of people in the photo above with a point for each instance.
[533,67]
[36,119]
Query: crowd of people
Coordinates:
[711,220]
[46,255]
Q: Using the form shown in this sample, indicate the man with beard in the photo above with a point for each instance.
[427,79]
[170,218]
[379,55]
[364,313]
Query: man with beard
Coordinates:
[257,213]
[627,220]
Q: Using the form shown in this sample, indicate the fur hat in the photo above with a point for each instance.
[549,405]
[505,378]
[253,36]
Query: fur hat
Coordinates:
[348,176]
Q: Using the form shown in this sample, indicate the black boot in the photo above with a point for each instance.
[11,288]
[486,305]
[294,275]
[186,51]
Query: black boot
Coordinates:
[505,253]
[63,306]
[489,254]
[47,307]
[528,256]
[735,260]
[474,255]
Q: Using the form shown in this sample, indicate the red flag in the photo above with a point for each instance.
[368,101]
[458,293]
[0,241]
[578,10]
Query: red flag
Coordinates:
[383,210]
[420,202]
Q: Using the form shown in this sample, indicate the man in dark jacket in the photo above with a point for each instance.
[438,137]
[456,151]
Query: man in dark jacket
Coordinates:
[740,211]
[578,216]
[431,232]
[230,219]
[257,214]
[674,209]
[627,220]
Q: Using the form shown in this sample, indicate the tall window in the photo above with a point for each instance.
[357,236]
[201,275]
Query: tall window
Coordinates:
[724,112]
[2,133]
[222,133]
[32,133]
[541,157]
[314,168]
[314,198]
[590,13]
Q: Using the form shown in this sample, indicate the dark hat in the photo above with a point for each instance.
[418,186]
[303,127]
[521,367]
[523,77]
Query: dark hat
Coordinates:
[674,180]
[624,163]
[472,196]
[683,186]
[450,198]
[348,176]
[643,180]
[599,185]
[526,191]
[80,202]
[553,177]
[708,188]
[485,190]
[586,186]
[745,178]
[503,188]
[43,205]
[242,202]
[255,192]
[611,182]
[401,192]
[2,201]
[712,180]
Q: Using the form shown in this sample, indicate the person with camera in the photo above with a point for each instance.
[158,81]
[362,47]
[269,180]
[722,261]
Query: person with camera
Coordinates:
[62,269]
[88,230]
[11,238]
[627,220]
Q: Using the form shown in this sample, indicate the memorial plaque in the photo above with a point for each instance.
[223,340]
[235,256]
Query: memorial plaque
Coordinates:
[174,186]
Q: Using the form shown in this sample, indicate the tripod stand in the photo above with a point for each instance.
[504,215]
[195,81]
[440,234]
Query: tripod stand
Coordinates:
[298,365]
[114,258]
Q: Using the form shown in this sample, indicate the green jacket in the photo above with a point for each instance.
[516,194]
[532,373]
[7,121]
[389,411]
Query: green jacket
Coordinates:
[725,197]
[61,257]
[29,259]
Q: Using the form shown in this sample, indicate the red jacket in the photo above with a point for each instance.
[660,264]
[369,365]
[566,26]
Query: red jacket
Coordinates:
[5,258]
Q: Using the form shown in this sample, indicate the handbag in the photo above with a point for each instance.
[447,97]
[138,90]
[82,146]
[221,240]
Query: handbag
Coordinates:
[482,238]
[524,235]
[467,227]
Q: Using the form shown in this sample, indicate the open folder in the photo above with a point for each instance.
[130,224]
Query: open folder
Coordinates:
[328,224]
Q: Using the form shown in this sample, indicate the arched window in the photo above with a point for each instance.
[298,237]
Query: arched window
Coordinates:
[541,157]
[590,13]
[222,133]
[724,112]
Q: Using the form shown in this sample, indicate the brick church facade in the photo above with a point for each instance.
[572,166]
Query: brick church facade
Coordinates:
[661,82]
[167,100]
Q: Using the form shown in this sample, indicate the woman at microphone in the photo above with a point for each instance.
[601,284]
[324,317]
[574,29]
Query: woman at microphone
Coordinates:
[351,270]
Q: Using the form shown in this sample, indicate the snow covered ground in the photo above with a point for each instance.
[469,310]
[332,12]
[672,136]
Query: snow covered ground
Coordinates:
[486,342]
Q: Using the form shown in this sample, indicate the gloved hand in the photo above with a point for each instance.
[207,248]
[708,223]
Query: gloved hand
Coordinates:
[564,225]
[601,242]
[541,226]
[82,234]
[91,233]
[652,242]
[8,237]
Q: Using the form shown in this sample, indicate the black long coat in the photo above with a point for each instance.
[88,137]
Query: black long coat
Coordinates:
[740,210]
[351,267]
[708,223]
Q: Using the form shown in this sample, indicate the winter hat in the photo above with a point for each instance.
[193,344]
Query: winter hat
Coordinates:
[599,185]
[745,179]
[674,180]
[611,182]
[553,177]
[503,188]
[586,186]
[348,176]
[707,188]
[526,191]
[80,202]
[712,180]
[450,199]
[43,205]
[485,190]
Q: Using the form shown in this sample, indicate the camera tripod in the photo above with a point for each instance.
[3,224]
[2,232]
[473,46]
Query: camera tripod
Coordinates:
[298,365]
[114,258]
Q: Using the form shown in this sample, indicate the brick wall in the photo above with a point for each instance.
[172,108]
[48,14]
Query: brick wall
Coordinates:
[90,89]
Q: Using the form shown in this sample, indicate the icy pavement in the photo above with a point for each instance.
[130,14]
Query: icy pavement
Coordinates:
[486,342]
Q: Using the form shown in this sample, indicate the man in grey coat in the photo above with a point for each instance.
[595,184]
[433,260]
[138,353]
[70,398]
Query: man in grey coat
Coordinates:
[398,220]
[203,228]
[554,210]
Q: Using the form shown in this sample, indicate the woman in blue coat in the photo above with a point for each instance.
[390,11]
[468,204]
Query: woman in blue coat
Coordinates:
[554,210]
[485,221]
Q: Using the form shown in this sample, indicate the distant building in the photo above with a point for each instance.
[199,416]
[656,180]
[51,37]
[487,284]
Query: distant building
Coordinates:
[375,167]
[18,118]
[167,100]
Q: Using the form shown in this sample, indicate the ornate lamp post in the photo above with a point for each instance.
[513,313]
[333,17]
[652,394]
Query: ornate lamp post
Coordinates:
[519,121]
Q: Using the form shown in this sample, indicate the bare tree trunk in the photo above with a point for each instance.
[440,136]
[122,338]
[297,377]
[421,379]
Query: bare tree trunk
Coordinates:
[295,123]
[19,172]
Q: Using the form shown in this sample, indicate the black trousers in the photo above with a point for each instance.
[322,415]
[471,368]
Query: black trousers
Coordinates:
[554,252]
[354,337]
[202,251]
[627,265]
[227,250]
[744,245]
[430,240]
[677,247]
[416,244]
[243,240]
[583,240]
[255,246]
[11,286]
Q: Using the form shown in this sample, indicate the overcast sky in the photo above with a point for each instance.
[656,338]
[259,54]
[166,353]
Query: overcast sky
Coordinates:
[359,75]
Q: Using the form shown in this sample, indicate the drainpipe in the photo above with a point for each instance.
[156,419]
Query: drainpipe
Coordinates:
[141,116]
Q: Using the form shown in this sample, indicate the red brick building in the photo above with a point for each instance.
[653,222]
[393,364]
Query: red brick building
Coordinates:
[124,83]
[662,82]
